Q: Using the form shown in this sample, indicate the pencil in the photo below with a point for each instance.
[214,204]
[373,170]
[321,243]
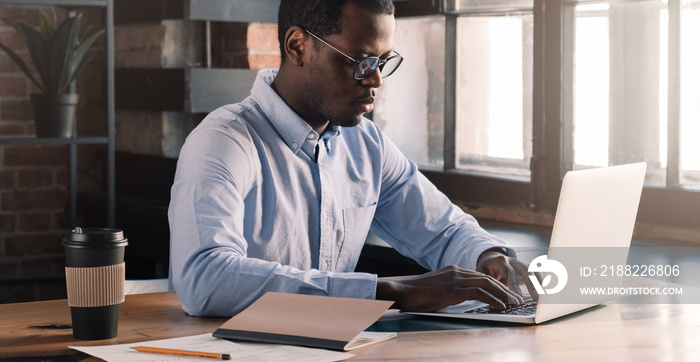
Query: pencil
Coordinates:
[179,352]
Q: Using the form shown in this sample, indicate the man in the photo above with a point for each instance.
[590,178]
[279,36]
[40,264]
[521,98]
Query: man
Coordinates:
[278,192]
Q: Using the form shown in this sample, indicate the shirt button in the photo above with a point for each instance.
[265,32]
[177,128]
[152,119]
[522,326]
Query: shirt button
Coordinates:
[295,145]
[311,136]
[325,265]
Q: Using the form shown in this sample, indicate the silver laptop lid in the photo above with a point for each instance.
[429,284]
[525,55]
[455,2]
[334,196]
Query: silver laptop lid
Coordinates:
[597,209]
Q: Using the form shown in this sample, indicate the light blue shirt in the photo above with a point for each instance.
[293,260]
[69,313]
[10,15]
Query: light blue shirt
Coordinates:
[262,203]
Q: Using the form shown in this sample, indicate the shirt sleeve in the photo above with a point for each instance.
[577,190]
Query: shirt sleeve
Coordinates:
[210,268]
[420,222]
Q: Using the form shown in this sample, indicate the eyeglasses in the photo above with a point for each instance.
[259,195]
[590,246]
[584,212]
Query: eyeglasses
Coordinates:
[365,67]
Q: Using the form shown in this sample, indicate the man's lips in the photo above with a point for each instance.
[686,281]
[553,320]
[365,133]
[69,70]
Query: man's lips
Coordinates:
[366,104]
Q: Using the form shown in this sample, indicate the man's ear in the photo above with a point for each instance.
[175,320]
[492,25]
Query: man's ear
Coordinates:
[295,44]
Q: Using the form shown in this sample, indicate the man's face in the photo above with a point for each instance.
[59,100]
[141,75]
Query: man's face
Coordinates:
[335,95]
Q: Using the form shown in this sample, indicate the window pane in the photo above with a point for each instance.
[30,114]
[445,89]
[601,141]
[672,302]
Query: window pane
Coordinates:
[591,92]
[410,106]
[690,94]
[616,89]
[486,5]
[494,94]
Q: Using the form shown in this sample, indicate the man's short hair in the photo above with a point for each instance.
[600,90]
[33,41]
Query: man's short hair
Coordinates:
[321,17]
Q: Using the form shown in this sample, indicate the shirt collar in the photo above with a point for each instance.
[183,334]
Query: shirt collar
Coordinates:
[291,128]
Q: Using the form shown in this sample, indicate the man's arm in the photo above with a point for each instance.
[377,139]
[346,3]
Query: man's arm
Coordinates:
[421,222]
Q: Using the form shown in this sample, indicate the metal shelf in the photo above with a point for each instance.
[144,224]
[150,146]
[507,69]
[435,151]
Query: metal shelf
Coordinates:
[35,141]
[108,140]
[35,3]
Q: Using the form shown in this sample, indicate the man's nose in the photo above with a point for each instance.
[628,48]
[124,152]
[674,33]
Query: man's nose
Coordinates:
[375,80]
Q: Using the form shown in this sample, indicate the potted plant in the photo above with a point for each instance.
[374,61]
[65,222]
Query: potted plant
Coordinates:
[58,53]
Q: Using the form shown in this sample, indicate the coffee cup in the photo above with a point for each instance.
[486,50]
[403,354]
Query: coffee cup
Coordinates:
[95,273]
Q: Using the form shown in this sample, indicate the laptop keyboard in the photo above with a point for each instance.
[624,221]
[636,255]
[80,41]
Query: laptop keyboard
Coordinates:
[528,307]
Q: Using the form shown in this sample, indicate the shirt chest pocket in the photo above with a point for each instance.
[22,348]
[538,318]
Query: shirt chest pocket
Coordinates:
[356,224]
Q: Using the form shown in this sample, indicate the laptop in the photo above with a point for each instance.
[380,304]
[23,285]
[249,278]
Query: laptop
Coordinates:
[597,208]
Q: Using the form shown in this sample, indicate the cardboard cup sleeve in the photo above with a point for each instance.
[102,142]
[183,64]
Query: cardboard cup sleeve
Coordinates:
[95,286]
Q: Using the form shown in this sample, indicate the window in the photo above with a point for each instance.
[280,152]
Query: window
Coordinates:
[493,90]
[494,94]
[617,78]
[497,99]
[625,63]
[410,105]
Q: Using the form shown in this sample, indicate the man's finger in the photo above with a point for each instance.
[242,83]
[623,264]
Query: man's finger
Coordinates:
[522,272]
[483,296]
[493,287]
[513,283]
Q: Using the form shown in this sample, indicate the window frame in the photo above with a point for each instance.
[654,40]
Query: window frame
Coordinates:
[670,205]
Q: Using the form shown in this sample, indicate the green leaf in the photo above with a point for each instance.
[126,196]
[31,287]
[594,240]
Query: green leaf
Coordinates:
[83,54]
[37,46]
[61,50]
[22,65]
[56,51]
[86,58]
[48,29]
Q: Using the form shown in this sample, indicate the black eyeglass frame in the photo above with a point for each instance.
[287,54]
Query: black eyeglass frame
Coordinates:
[375,63]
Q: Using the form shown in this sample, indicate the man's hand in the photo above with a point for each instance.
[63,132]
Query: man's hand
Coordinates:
[507,270]
[496,282]
[444,287]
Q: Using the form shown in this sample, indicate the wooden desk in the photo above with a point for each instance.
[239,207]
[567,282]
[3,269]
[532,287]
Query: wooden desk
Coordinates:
[43,328]
[605,333]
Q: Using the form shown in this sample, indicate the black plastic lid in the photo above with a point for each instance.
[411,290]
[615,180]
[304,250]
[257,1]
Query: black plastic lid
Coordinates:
[95,236]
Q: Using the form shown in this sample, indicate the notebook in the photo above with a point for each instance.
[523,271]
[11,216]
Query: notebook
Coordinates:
[597,208]
[308,320]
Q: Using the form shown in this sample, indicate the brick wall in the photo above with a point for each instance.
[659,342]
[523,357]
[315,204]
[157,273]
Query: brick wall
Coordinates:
[251,46]
[15,113]
[167,44]
[34,179]
[178,44]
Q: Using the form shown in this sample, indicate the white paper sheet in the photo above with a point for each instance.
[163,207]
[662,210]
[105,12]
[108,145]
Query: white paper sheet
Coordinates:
[207,343]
